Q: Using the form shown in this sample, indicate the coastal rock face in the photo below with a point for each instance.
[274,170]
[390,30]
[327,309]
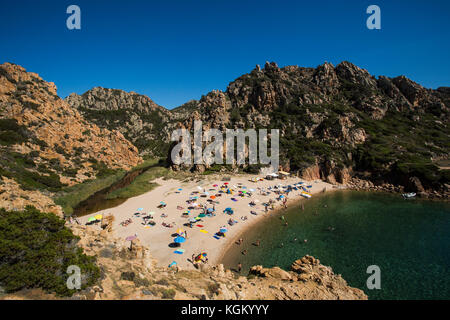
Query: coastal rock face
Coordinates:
[46,144]
[134,274]
[382,129]
[137,117]
[316,281]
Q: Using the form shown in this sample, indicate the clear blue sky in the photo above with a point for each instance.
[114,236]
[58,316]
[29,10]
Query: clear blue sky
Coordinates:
[174,51]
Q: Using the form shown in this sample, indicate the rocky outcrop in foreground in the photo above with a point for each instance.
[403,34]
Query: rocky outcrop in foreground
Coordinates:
[133,274]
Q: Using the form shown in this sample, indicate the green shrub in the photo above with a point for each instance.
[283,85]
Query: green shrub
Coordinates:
[168,293]
[35,251]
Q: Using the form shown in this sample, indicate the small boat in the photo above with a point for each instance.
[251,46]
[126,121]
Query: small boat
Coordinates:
[409,195]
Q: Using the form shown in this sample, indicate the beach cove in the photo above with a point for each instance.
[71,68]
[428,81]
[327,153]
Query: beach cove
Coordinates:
[167,203]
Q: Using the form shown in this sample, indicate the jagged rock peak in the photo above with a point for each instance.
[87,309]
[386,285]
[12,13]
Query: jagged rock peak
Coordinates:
[271,66]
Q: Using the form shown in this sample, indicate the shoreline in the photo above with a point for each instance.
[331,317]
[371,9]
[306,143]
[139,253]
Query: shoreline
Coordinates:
[278,211]
[158,238]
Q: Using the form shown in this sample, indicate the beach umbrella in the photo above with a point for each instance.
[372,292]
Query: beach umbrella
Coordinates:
[180,231]
[212,197]
[199,188]
[180,189]
[192,220]
[201,215]
[223,230]
[140,209]
[99,217]
[91,219]
[226,183]
[215,185]
[131,238]
[162,202]
[179,240]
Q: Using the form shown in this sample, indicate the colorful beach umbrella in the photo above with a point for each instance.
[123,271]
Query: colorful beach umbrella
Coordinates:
[91,219]
[179,240]
[99,217]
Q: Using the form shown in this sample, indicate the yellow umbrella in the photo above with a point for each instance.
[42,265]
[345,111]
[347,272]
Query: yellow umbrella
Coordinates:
[179,231]
[98,217]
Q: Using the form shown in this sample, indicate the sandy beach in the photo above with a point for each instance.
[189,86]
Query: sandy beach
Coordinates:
[200,237]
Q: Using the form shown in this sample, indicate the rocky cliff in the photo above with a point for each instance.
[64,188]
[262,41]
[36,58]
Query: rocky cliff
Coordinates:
[136,116]
[45,144]
[339,121]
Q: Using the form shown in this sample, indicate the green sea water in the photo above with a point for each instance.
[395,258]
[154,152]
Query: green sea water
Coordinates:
[408,239]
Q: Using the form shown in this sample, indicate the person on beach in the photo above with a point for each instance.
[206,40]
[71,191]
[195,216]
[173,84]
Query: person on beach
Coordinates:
[244,252]
[257,243]
[239,267]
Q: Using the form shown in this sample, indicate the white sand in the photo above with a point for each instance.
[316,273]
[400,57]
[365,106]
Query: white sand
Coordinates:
[157,238]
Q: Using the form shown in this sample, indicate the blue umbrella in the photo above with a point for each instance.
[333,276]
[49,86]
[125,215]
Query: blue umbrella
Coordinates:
[179,240]
[223,230]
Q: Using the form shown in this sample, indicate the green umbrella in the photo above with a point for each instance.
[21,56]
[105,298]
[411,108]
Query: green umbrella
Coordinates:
[91,219]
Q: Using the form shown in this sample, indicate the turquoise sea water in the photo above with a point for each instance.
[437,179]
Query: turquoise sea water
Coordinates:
[408,239]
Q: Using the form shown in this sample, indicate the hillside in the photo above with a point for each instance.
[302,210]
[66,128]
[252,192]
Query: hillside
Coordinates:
[336,123]
[45,144]
[339,122]
[136,116]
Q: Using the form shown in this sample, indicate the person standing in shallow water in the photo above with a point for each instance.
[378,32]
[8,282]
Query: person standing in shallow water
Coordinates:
[239,267]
